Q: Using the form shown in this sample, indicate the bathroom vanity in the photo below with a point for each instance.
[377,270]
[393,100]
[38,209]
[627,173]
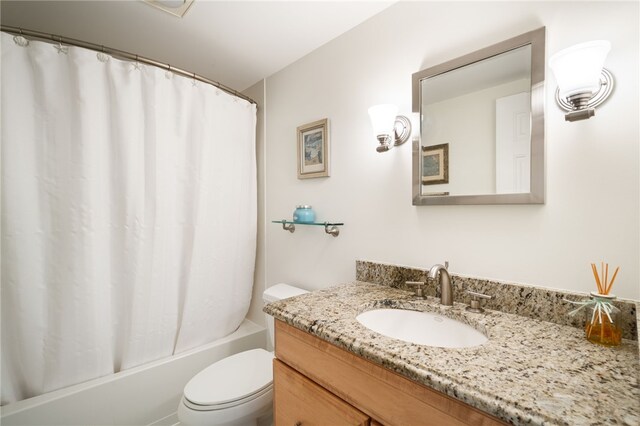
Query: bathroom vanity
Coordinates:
[330,369]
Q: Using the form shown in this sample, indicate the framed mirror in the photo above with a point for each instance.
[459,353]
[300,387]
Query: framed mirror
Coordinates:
[482,126]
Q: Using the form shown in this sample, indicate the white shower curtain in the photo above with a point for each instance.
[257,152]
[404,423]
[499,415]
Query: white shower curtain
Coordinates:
[128,215]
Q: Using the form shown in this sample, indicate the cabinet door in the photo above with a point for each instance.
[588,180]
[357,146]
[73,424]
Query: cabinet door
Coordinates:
[300,402]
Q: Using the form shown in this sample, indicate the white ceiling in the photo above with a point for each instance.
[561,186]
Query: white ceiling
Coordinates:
[236,43]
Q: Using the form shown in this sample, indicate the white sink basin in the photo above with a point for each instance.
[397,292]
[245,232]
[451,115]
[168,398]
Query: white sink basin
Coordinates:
[422,328]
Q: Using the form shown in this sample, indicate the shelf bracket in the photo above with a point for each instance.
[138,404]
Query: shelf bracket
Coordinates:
[331,230]
[288,227]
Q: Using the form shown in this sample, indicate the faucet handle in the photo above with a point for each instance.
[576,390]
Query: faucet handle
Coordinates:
[419,287]
[475,305]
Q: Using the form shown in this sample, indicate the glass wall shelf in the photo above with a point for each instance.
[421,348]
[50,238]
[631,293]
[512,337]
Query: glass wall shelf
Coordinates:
[330,228]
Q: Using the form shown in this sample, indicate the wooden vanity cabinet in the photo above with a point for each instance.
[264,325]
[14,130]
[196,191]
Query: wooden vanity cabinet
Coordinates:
[317,383]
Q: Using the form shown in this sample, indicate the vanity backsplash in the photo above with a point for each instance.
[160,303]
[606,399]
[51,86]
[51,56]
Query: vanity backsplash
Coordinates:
[533,302]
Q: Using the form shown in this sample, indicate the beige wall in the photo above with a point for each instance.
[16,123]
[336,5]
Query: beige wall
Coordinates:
[592,167]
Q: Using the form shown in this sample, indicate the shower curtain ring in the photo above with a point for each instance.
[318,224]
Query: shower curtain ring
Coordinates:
[60,48]
[102,57]
[193,83]
[20,40]
[137,64]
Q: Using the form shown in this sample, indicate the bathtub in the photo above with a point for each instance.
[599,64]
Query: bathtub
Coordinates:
[145,395]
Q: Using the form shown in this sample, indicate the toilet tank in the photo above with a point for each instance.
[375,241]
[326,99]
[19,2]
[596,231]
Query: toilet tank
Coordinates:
[275,293]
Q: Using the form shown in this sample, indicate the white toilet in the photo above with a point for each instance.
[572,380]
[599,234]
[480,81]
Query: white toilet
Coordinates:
[237,390]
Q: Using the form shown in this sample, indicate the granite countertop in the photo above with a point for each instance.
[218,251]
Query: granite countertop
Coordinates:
[529,372]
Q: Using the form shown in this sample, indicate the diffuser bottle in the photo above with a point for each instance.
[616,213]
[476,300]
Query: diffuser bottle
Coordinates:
[603,320]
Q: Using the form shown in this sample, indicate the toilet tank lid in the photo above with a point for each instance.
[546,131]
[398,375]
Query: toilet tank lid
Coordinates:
[281,291]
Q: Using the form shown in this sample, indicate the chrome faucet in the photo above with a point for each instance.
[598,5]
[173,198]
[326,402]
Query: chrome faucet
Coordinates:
[446,293]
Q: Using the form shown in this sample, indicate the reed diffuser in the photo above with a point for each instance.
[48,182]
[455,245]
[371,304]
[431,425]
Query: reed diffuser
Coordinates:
[602,317]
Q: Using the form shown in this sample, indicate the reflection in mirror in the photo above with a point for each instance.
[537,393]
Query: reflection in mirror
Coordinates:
[481,137]
[490,153]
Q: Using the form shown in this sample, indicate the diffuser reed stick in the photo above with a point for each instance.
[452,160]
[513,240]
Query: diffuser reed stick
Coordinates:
[608,289]
[595,274]
[602,279]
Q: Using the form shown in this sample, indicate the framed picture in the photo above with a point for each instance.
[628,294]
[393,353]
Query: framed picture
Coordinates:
[313,149]
[435,164]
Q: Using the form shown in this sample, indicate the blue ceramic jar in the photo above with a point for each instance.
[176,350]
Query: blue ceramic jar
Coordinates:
[304,214]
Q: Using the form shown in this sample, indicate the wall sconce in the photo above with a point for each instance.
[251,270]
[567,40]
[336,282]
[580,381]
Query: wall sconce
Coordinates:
[583,83]
[387,125]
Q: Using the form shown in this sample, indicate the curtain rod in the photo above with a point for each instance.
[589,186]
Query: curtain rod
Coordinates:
[121,54]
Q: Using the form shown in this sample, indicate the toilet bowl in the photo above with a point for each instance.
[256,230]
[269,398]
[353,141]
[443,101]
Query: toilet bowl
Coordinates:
[237,390]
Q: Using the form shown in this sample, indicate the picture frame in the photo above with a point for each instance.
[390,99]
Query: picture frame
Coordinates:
[313,149]
[435,164]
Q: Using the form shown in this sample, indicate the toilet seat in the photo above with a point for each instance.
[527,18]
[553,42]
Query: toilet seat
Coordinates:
[232,381]
[226,405]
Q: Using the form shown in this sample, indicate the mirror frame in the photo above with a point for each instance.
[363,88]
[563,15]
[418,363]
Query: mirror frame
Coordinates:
[536,39]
